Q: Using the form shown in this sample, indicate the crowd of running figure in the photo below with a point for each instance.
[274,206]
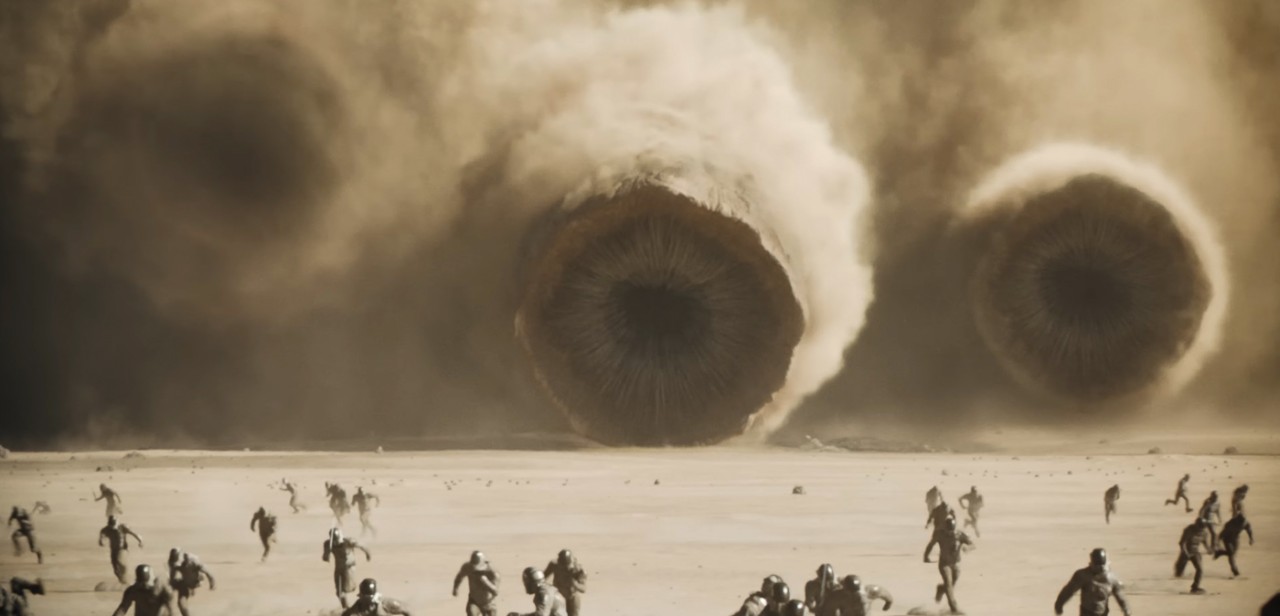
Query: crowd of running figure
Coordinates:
[557,589]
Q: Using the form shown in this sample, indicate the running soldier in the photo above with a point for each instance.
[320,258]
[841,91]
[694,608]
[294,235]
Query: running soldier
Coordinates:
[1109,500]
[568,577]
[1229,540]
[932,499]
[117,535]
[1193,538]
[292,489]
[755,605]
[175,566]
[337,501]
[371,603]
[817,592]
[113,500]
[482,585]
[854,599]
[13,601]
[361,501]
[768,590]
[1237,500]
[952,544]
[26,528]
[972,503]
[546,599]
[265,524]
[187,580]
[1096,585]
[937,518]
[147,596]
[343,552]
[1211,513]
[1181,494]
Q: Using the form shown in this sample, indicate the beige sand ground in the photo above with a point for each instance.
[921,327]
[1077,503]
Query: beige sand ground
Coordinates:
[718,522]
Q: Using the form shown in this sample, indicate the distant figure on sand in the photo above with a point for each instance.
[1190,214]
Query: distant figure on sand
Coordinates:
[972,503]
[932,499]
[147,596]
[482,585]
[1237,500]
[569,578]
[1181,494]
[265,524]
[113,500]
[27,529]
[1096,585]
[952,544]
[362,502]
[937,519]
[337,501]
[343,553]
[117,536]
[1193,538]
[292,489]
[1109,500]
[1211,513]
[1229,540]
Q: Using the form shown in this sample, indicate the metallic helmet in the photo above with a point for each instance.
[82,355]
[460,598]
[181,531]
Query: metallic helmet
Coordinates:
[781,593]
[143,575]
[565,557]
[477,558]
[368,587]
[1098,557]
[766,586]
[533,578]
[111,520]
[795,607]
[852,583]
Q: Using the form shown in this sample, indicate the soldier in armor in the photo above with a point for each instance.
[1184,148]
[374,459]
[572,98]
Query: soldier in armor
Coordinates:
[937,519]
[569,578]
[482,585]
[546,599]
[265,524]
[932,499]
[337,501]
[292,489]
[1109,500]
[370,602]
[1096,585]
[1193,538]
[1229,540]
[818,590]
[343,552]
[972,503]
[1237,500]
[187,579]
[27,529]
[362,501]
[952,543]
[855,599]
[113,500]
[147,596]
[1181,494]
[117,535]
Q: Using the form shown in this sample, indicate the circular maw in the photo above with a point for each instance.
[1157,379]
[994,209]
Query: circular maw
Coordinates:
[1090,290]
[652,320]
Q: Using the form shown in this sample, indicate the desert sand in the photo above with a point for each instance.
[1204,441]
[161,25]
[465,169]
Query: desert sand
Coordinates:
[659,532]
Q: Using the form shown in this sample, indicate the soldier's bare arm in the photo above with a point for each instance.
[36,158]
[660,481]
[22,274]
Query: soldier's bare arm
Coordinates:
[126,602]
[1117,591]
[457,579]
[877,592]
[128,531]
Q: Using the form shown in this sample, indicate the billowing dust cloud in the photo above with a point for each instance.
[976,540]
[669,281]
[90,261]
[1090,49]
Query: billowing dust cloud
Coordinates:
[671,251]
[646,222]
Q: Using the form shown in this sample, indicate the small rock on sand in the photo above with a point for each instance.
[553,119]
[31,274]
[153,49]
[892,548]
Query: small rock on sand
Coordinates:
[4,453]
[1231,451]
[1154,450]
[798,490]
[101,587]
[133,454]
